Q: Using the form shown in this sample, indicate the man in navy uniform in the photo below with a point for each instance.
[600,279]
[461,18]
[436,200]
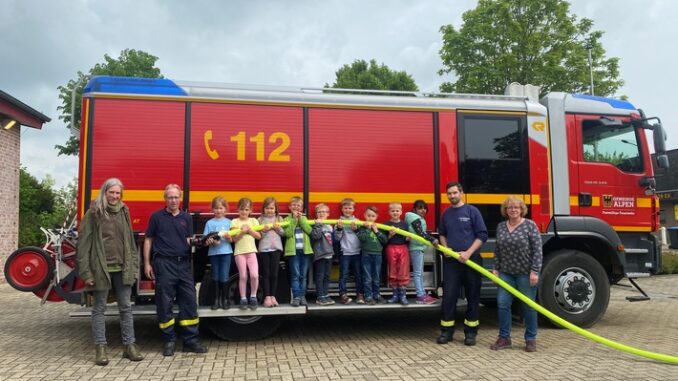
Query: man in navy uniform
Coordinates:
[167,238]
[463,230]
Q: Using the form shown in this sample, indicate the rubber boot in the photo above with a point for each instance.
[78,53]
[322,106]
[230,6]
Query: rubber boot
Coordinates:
[396,296]
[403,296]
[217,295]
[100,355]
[225,301]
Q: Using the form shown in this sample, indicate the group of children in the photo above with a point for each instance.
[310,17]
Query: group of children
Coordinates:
[361,249]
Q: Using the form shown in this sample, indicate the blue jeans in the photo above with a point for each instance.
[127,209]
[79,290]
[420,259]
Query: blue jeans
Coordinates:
[371,275]
[350,263]
[417,260]
[221,266]
[298,273]
[521,282]
[321,275]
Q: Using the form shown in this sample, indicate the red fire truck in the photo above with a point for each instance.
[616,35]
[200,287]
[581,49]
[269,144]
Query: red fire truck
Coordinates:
[581,163]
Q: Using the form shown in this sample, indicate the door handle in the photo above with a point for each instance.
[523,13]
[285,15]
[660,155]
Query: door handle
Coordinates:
[585,199]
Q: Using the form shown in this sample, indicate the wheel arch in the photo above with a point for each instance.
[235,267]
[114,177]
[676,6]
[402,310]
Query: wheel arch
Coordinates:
[589,235]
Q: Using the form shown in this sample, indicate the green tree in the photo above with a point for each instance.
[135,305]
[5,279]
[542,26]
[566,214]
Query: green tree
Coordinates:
[40,205]
[525,41]
[371,76]
[131,63]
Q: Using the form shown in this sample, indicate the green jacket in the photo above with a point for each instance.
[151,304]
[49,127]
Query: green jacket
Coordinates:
[290,244]
[92,259]
[372,243]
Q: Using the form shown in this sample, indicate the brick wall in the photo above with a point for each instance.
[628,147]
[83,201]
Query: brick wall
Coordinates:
[9,194]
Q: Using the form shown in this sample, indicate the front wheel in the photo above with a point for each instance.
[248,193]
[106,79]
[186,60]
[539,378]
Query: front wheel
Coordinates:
[575,287]
[236,328]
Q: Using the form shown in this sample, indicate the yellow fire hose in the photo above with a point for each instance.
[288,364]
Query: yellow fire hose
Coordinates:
[557,319]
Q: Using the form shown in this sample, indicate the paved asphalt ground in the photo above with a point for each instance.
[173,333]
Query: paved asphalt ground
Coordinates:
[43,343]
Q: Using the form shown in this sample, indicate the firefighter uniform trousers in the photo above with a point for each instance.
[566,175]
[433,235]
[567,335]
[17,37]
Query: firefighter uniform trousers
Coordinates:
[174,280]
[455,275]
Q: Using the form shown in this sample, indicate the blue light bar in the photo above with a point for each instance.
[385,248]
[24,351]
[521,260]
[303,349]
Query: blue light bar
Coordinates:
[616,103]
[131,85]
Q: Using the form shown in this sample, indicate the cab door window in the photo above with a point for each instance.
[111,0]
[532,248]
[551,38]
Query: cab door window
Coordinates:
[616,146]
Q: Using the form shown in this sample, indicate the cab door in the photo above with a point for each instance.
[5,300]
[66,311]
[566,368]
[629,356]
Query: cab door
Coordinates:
[610,165]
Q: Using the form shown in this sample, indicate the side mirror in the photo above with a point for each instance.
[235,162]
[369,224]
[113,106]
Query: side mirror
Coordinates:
[659,137]
[662,160]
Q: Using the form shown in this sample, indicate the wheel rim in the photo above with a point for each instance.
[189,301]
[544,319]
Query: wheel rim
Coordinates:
[29,269]
[574,290]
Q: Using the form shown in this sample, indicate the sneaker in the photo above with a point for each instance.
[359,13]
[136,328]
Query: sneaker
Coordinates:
[296,302]
[530,345]
[321,301]
[379,300]
[329,301]
[426,299]
[394,299]
[253,303]
[303,301]
[368,301]
[501,343]
[344,299]
[243,303]
[360,299]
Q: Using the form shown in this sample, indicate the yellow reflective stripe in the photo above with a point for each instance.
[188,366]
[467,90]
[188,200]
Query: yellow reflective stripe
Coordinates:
[644,202]
[632,228]
[469,323]
[168,324]
[487,255]
[447,323]
[184,323]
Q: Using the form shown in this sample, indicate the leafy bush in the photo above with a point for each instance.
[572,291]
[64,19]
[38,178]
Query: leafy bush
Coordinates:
[669,263]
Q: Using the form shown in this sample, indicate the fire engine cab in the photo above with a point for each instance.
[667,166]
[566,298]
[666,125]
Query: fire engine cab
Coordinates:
[581,163]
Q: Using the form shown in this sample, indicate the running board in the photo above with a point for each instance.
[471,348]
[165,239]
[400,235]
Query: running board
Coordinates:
[203,311]
[283,309]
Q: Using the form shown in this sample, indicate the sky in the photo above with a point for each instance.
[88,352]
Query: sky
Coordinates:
[297,43]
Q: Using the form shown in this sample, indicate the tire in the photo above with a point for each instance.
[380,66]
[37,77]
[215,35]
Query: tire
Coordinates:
[235,328]
[575,287]
[29,269]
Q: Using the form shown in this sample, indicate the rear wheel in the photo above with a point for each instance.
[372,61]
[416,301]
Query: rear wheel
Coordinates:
[575,287]
[235,328]
[29,269]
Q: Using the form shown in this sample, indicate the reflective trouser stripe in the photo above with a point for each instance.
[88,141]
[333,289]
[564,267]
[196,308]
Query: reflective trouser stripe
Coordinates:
[184,323]
[470,323]
[168,324]
[444,323]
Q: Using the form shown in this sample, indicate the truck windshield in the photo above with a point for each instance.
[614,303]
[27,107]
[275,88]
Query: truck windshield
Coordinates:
[614,145]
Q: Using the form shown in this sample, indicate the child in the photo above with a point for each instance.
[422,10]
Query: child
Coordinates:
[397,256]
[270,248]
[323,250]
[417,224]
[350,249]
[246,253]
[372,242]
[220,252]
[298,250]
